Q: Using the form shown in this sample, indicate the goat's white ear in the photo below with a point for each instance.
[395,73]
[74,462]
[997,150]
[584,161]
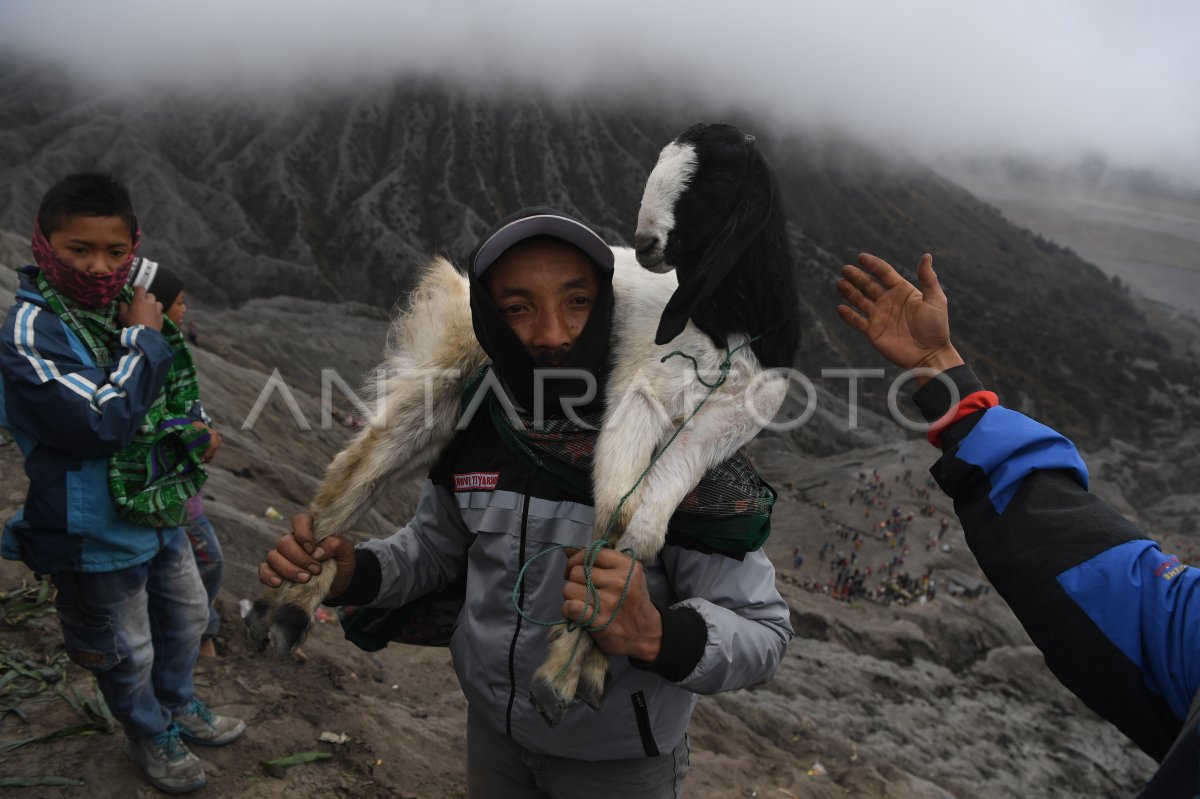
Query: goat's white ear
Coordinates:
[751,138]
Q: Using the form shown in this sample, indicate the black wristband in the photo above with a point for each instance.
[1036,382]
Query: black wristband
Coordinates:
[933,398]
[684,636]
[364,585]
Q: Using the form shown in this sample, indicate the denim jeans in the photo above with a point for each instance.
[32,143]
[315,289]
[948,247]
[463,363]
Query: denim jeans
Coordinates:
[209,561]
[138,631]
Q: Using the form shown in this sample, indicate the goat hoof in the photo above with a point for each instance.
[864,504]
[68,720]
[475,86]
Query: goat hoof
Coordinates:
[288,627]
[591,694]
[549,702]
[258,625]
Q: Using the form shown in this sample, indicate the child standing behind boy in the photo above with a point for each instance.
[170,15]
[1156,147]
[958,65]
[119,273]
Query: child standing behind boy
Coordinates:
[95,390]
[168,288]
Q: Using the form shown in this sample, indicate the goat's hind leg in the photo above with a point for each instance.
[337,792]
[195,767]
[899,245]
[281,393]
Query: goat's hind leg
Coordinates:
[283,619]
[283,615]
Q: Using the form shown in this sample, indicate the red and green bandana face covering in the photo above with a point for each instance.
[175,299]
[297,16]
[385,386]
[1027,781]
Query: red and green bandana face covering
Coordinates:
[90,291]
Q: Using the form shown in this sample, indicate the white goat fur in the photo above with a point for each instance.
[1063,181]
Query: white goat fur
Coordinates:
[646,401]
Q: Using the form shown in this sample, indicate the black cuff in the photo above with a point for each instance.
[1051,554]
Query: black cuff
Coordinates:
[933,398]
[364,585]
[684,636]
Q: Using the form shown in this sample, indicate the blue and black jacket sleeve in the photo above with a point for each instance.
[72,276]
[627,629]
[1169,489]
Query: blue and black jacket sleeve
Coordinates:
[55,394]
[1116,618]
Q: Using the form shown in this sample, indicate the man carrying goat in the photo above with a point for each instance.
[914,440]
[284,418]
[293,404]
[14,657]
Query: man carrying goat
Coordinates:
[691,621]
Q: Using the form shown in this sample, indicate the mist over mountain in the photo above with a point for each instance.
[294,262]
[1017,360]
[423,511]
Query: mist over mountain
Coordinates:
[1088,170]
[340,195]
[935,77]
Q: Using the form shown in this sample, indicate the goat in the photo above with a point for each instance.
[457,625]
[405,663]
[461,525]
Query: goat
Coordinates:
[708,173]
[733,288]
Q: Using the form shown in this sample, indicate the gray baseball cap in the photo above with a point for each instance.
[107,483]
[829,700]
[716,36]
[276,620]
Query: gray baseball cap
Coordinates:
[529,223]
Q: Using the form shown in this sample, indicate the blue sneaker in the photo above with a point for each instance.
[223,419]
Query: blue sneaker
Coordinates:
[166,762]
[199,725]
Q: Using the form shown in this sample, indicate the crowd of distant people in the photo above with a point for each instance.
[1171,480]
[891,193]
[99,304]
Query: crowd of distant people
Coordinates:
[887,581]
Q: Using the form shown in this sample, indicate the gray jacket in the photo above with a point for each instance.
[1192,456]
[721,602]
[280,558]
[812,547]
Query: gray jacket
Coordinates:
[483,516]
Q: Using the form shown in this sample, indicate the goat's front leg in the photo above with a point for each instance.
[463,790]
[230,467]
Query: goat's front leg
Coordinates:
[576,670]
[633,428]
[716,433]
[613,599]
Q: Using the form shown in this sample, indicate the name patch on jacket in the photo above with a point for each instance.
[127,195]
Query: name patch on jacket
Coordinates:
[476,481]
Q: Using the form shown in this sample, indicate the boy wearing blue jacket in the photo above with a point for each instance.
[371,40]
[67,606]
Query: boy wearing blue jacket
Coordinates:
[1112,613]
[94,389]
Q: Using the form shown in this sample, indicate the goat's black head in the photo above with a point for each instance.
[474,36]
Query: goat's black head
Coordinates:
[697,186]
[707,199]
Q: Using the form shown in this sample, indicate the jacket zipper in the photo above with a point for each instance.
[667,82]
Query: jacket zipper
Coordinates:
[645,728]
[512,647]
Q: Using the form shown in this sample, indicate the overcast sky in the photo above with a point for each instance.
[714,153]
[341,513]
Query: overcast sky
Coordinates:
[1046,77]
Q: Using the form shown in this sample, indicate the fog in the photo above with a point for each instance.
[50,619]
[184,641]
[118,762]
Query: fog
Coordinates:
[1051,79]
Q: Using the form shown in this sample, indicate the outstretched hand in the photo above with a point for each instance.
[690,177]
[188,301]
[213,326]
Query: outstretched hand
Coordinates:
[909,327]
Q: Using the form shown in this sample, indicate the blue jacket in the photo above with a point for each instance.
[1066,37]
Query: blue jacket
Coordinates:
[1114,616]
[68,416]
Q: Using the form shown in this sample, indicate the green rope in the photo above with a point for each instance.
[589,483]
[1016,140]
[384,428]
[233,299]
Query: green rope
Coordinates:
[585,620]
[724,368]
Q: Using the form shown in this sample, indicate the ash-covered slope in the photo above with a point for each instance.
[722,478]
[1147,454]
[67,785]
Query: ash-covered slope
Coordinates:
[942,699]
